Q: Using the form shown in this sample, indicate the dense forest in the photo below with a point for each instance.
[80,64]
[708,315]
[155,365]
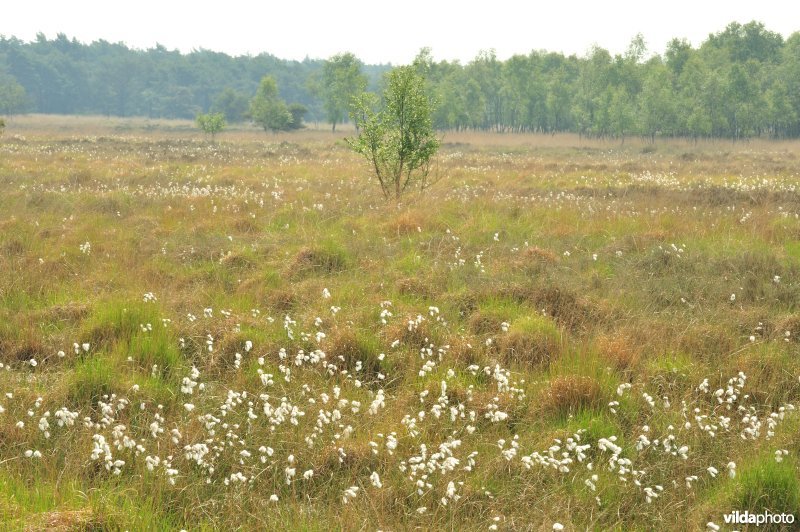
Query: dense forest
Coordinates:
[64,76]
[741,82]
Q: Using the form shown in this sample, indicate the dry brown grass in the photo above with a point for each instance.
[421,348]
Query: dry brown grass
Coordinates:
[568,309]
[413,286]
[406,223]
[568,394]
[529,349]
[417,337]
[346,347]
[246,225]
[618,351]
[20,346]
[485,322]
[790,324]
[281,300]
[534,260]
[14,247]
[531,341]
[464,351]
[315,260]
[64,520]
[237,261]
[537,254]
[359,460]
[707,341]
[71,312]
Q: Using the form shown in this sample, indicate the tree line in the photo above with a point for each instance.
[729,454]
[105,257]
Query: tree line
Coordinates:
[741,82]
[65,76]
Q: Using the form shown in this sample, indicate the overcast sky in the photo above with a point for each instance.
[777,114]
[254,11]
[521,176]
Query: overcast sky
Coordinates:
[381,32]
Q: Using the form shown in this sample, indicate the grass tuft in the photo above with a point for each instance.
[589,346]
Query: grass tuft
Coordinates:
[531,341]
[767,485]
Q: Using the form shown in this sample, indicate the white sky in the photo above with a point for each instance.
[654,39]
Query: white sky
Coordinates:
[381,32]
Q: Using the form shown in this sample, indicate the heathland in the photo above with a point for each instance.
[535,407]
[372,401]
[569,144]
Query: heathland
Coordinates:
[244,334]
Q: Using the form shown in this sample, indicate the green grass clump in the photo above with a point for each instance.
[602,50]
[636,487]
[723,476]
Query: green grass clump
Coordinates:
[348,348]
[117,321]
[321,259]
[153,349]
[531,340]
[93,379]
[768,485]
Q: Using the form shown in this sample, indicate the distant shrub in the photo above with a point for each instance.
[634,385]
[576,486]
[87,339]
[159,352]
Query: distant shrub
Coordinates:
[211,123]
[396,135]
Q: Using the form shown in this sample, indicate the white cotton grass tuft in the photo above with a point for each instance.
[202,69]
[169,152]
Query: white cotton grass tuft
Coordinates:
[349,493]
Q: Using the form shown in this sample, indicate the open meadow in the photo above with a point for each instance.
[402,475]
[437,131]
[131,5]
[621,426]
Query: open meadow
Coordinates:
[245,335]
